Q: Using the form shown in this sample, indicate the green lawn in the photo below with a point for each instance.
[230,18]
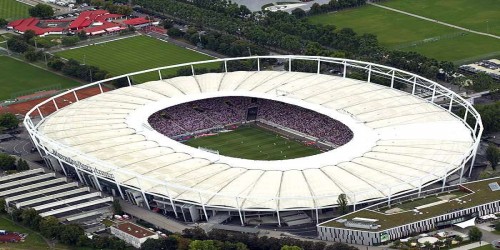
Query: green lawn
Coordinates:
[134,54]
[19,76]
[410,205]
[399,31]
[254,143]
[479,15]
[33,241]
[12,10]
[487,247]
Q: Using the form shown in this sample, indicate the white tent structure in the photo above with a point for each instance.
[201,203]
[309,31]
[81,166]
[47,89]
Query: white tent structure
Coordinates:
[467,223]
[402,140]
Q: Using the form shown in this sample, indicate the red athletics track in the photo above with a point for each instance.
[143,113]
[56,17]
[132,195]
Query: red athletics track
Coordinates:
[48,108]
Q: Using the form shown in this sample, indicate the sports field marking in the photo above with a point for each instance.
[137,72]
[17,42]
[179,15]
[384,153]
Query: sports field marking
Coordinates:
[434,21]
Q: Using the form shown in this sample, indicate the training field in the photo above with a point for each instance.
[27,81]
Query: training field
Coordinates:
[398,31]
[133,54]
[19,77]
[255,144]
[478,15]
[12,9]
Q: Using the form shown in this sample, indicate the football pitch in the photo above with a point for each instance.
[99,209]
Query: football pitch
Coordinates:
[12,10]
[399,31]
[134,54]
[22,77]
[254,143]
[478,15]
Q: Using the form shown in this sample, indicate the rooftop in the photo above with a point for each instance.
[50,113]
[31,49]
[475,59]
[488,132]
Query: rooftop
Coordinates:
[134,230]
[481,194]
[400,141]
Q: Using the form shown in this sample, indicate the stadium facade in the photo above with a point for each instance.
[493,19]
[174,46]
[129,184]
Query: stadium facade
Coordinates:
[404,140]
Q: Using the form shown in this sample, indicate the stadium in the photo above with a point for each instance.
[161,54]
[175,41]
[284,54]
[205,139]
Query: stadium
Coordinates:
[181,144]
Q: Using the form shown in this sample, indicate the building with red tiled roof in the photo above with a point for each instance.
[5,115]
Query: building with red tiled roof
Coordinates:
[140,22]
[132,233]
[93,22]
[40,27]
[86,18]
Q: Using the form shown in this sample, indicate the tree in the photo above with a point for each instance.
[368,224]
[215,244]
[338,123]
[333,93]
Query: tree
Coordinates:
[203,245]
[70,40]
[55,63]
[22,165]
[475,234]
[7,162]
[50,227]
[3,22]
[70,234]
[167,24]
[30,217]
[493,155]
[2,206]
[17,45]
[28,35]
[8,121]
[286,247]
[117,208]
[298,13]
[175,32]
[342,201]
[41,11]
[82,35]
[31,55]
[194,233]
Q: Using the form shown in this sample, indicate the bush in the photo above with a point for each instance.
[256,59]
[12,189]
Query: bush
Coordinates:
[7,162]
[475,234]
[70,40]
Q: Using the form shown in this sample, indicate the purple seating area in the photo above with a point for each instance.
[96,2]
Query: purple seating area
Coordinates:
[210,113]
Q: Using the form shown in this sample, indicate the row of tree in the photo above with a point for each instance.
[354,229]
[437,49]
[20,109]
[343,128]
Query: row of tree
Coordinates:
[334,5]
[197,239]
[292,34]
[70,234]
[222,43]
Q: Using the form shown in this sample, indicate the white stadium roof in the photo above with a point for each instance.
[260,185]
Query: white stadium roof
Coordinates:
[401,142]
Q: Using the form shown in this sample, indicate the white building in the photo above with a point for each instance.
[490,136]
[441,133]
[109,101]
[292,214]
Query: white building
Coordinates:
[133,234]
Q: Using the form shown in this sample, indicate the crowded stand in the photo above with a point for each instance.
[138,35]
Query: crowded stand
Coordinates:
[201,115]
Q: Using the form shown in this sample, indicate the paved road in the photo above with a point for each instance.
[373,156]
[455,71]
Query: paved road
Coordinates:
[435,21]
[153,218]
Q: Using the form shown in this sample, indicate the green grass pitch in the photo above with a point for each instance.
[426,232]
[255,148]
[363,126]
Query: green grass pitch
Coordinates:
[396,30]
[12,10]
[21,76]
[254,143]
[134,54]
[478,15]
